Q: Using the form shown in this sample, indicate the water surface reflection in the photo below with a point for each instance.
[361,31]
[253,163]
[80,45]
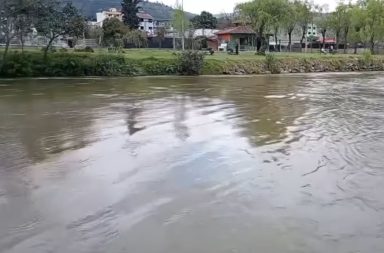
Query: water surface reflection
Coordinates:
[266,164]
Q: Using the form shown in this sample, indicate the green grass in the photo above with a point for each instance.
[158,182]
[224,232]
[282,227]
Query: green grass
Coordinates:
[249,55]
[164,62]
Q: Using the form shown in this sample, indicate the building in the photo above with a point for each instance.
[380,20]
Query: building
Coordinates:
[165,23]
[147,23]
[312,30]
[195,33]
[111,13]
[244,35]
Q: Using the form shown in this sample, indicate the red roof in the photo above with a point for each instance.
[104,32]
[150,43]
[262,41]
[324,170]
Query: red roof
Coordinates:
[237,30]
[328,40]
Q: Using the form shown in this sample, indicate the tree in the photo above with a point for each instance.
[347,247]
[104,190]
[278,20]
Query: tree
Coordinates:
[305,17]
[8,12]
[137,38]
[374,22]
[25,18]
[290,21]
[160,35]
[205,20]
[95,32]
[130,8]
[114,31]
[323,23]
[55,21]
[263,15]
[357,24]
[278,12]
[179,23]
[340,22]
[225,20]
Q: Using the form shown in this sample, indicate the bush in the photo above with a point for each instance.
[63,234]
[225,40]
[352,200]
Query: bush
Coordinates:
[190,62]
[17,65]
[63,50]
[154,66]
[64,64]
[85,50]
[367,57]
[272,63]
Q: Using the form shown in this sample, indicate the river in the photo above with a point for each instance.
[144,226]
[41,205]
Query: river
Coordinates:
[271,164]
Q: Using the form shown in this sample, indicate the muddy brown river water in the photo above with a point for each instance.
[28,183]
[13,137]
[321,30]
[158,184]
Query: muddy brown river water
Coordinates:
[269,164]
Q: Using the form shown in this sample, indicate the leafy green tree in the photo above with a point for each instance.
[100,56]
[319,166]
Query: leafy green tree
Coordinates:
[8,13]
[278,13]
[130,8]
[55,21]
[340,23]
[357,25]
[205,20]
[323,23]
[305,17]
[179,22]
[114,32]
[289,21]
[137,38]
[95,32]
[26,15]
[263,15]
[374,23]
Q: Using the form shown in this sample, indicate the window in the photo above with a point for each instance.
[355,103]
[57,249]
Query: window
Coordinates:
[141,27]
[150,28]
[150,20]
[309,27]
[141,20]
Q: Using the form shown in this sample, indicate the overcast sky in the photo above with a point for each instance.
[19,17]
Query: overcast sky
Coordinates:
[220,6]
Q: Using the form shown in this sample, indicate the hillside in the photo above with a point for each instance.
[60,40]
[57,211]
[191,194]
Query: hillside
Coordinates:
[156,9]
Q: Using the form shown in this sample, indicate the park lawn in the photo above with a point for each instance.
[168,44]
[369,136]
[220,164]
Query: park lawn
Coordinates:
[170,54]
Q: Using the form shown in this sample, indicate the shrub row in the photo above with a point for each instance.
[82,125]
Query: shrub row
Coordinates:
[29,64]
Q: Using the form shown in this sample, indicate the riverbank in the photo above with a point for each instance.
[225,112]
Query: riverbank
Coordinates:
[33,64]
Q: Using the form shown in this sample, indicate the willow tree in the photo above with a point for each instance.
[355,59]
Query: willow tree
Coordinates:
[340,23]
[305,17]
[290,19]
[263,15]
[179,23]
[357,23]
[373,30]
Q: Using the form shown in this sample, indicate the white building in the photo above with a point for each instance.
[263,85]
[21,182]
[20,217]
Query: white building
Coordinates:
[111,13]
[194,33]
[147,23]
[312,30]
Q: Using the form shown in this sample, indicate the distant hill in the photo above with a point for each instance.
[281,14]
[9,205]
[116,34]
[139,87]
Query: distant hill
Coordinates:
[157,10]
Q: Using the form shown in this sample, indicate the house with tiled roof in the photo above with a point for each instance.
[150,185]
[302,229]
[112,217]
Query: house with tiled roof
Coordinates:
[147,23]
[245,36]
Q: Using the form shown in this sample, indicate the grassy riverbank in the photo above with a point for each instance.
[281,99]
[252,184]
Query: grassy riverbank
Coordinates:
[165,62]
